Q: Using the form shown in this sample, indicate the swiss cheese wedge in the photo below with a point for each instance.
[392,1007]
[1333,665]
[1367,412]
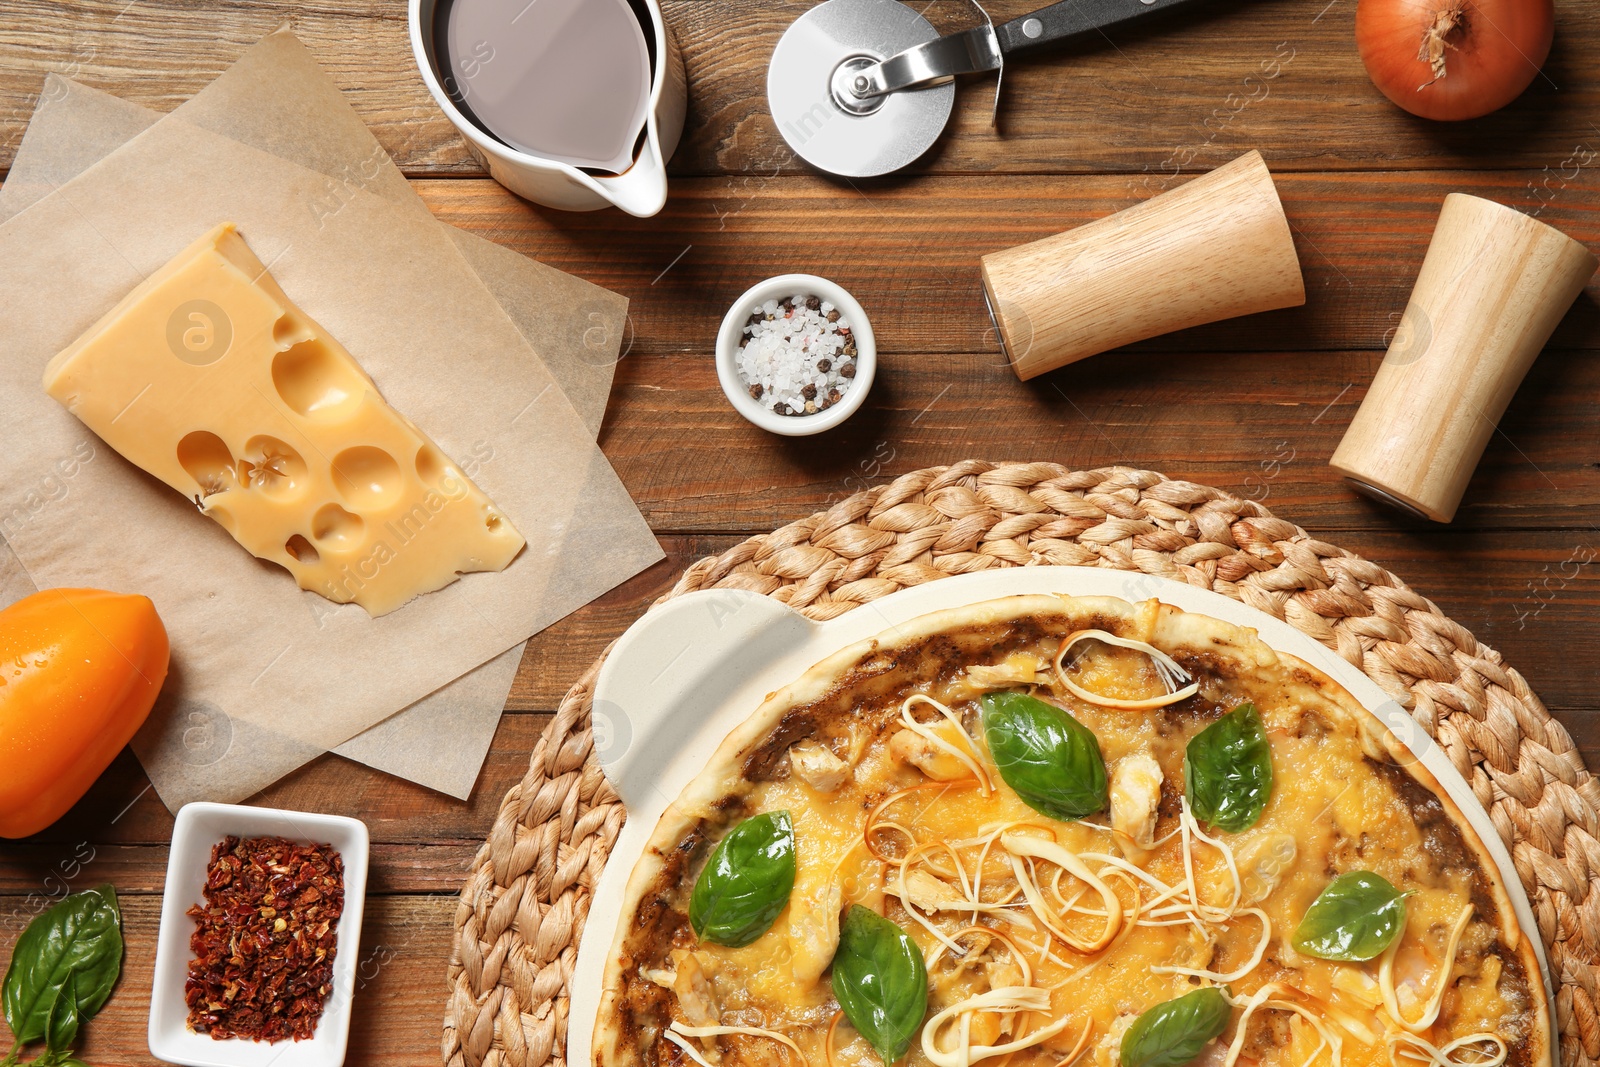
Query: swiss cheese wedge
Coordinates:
[210,378]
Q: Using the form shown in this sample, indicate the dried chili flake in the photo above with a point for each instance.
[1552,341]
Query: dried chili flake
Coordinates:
[264,941]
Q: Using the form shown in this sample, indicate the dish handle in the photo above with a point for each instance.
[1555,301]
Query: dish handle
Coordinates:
[691,652]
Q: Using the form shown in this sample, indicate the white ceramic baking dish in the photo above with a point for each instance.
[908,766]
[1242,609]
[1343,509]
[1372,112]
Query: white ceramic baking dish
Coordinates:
[687,673]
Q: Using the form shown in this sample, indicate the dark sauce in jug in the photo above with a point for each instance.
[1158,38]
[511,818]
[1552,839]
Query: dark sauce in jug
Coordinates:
[567,80]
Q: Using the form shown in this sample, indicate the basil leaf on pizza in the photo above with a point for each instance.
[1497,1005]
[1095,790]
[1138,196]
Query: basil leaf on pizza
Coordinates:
[1355,918]
[1050,759]
[746,882]
[1227,770]
[1174,1032]
[880,981]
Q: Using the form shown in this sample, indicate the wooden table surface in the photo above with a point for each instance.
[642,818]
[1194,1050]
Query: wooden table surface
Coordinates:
[1255,406]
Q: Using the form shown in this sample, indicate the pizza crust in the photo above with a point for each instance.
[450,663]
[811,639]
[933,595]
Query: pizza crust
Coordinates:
[716,791]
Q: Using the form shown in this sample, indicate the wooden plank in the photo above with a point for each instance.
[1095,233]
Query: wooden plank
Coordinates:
[1534,595]
[399,997]
[39,872]
[1194,91]
[1205,404]
[692,464]
[1192,94]
[120,810]
[910,252]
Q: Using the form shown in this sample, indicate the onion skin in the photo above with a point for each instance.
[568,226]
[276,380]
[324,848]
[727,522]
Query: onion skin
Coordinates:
[1492,55]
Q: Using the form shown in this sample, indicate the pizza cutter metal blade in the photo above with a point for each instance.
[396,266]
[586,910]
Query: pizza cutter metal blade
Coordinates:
[830,127]
[860,88]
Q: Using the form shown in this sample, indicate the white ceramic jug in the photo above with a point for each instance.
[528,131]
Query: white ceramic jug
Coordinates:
[640,190]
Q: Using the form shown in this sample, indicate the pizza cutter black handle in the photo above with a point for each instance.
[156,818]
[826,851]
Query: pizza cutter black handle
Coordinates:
[1072,18]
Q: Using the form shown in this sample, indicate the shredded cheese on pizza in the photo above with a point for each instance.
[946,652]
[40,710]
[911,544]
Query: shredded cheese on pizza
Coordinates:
[1474,1050]
[749,1031]
[1005,1000]
[1273,997]
[1430,1010]
[1179,685]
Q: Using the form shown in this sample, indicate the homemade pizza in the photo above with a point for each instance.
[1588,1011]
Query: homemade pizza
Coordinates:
[1047,830]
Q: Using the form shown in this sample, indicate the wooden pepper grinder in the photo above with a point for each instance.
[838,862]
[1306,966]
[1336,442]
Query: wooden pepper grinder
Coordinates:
[1493,287]
[1213,248]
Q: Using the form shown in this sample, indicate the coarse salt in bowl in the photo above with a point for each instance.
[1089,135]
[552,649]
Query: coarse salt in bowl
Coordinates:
[782,365]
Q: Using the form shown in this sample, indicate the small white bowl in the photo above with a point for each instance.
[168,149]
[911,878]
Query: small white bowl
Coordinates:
[199,827]
[866,357]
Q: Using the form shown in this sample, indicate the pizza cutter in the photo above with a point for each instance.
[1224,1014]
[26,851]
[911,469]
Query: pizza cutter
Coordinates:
[863,87]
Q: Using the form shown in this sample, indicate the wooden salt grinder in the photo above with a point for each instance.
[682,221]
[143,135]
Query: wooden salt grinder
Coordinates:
[1493,287]
[1213,248]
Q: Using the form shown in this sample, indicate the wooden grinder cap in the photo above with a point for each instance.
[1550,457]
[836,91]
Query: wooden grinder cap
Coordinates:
[1493,288]
[1214,248]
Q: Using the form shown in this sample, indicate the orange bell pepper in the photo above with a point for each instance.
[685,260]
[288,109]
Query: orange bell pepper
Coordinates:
[79,671]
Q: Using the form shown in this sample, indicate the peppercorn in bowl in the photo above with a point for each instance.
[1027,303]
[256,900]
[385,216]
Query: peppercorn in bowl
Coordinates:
[796,355]
[260,937]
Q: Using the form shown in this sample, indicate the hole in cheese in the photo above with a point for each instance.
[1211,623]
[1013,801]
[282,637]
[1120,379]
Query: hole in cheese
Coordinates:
[301,549]
[336,527]
[271,465]
[368,477]
[207,459]
[431,466]
[289,329]
[314,382]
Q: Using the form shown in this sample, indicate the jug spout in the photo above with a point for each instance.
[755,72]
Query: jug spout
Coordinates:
[642,189]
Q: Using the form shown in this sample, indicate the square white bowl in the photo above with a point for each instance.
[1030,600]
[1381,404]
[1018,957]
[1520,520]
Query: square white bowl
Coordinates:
[199,827]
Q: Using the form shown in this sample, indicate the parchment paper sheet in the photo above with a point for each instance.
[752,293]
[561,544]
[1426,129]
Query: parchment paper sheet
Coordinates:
[440,741]
[390,284]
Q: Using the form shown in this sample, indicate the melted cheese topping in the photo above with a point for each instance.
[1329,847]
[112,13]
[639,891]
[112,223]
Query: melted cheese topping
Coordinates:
[1050,903]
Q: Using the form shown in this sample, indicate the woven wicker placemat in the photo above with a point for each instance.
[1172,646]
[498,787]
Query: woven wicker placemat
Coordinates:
[522,909]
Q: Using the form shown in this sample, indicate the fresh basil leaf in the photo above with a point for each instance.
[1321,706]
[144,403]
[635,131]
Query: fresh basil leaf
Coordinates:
[1227,770]
[746,882]
[1050,759]
[1174,1032]
[95,979]
[880,981]
[1355,918]
[81,938]
[61,1027]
